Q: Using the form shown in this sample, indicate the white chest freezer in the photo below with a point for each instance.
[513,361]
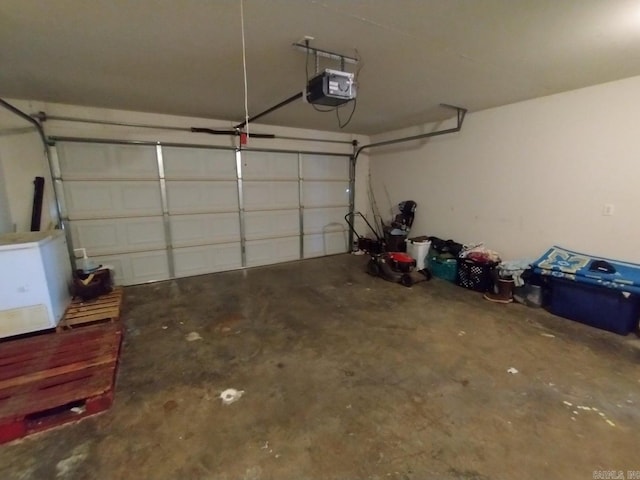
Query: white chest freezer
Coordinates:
[35,272]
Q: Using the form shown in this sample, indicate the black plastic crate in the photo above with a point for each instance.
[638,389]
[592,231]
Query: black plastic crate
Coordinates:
[475,276]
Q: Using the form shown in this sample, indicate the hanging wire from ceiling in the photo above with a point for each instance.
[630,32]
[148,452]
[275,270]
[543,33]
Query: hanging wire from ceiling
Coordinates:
[244,70]
[354,103]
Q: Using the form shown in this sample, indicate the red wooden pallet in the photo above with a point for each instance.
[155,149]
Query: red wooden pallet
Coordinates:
[56,378]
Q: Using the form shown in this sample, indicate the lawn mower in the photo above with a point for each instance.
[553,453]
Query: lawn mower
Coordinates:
[397,267]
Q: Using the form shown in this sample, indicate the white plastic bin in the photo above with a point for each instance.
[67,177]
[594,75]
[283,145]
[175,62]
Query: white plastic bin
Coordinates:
[419,250]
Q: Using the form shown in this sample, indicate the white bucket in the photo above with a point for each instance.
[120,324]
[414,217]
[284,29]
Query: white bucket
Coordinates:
[419,251]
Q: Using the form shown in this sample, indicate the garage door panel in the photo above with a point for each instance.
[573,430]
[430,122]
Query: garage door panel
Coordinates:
[279,223]
[329,243]
[86,160]
[89,199]
[324,167]
[270,195]
[269,165]
[103,237]
[207,259]
[149,266]
[325,194]
[198,163]
[140,196]
[267,252]
[317,220]
[135,268]
[96,198]
[201,229]
[200,197]
[112,196]
[98,237]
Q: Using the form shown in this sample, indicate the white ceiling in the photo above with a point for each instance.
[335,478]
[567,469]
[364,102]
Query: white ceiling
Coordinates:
[185,56]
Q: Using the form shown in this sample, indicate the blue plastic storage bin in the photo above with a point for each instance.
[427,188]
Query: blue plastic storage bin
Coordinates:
[444,268]
[601,307]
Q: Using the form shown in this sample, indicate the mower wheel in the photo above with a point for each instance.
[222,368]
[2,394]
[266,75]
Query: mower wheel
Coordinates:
[406,280]
[373,268]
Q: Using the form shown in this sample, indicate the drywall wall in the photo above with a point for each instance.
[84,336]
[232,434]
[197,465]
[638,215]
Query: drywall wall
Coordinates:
[527,176]
[6,224]
[23,159]
[23,156]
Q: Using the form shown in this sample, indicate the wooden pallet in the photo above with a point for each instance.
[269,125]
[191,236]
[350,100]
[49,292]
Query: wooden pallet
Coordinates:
[105,308]
[52,379]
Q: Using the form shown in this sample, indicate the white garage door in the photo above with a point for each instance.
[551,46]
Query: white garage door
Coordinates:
[272,207]
[325,202]
[113,202]
[160,212]
[202,203]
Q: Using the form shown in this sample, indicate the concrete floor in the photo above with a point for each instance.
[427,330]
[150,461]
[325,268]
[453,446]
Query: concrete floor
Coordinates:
[348,377]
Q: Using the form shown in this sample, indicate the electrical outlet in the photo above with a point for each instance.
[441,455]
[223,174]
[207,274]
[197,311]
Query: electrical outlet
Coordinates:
[607,209]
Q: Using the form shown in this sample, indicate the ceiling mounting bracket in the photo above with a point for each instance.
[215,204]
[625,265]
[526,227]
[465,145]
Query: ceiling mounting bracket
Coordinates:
[304,46]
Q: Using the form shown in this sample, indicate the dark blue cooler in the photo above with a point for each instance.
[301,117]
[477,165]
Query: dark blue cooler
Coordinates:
[606,308]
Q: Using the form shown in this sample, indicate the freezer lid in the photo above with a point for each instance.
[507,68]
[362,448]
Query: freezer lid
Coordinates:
[19,240]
